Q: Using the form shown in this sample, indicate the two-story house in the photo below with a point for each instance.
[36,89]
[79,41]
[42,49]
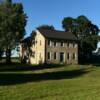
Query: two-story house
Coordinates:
[52,46]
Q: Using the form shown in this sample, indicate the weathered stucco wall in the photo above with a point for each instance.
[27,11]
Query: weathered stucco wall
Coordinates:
[38,49]
[68,47]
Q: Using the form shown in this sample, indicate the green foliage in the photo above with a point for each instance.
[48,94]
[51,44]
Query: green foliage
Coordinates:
[47,27]
[85,31]
[33,34]
[68,23]
[12,25]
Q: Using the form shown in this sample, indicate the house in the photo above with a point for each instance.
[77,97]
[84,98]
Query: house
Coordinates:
[24,49]
[52,46]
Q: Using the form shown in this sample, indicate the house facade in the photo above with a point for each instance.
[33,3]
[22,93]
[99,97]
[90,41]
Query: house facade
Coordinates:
[51,46]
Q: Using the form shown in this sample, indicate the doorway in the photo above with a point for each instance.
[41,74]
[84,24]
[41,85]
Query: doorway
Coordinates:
[61,56]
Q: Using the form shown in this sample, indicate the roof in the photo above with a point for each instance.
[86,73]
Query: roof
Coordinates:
[25,40]
[55,34]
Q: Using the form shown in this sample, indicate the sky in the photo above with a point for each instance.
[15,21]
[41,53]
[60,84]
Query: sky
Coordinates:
[52,12]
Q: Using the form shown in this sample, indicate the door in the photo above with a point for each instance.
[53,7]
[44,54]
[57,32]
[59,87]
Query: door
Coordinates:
[61,56]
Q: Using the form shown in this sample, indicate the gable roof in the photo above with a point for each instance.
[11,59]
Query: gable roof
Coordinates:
[55,34]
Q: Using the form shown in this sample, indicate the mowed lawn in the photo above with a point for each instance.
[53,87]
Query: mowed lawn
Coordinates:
[70,82]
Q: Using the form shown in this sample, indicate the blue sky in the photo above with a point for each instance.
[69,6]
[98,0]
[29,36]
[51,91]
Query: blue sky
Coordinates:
[52,12]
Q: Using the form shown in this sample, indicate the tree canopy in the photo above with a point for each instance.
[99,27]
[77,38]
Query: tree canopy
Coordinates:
[47,27]
[85,31]
[12,25]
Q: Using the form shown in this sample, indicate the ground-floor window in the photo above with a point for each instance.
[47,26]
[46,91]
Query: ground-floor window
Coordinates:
[49,55]
[40,56]
[73,56]
[68,56]
[33,54]
[55,55]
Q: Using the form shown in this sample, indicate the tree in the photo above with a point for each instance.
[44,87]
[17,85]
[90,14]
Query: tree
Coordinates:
[47,27]
[85,31]
[68,24]
[12,26]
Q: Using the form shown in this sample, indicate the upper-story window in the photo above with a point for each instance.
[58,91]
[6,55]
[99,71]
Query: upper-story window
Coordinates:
[55,43]
[62,44]
[68,45]
[49,43]
[73,45]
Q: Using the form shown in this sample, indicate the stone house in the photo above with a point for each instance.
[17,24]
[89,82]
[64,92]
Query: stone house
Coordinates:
[52,46]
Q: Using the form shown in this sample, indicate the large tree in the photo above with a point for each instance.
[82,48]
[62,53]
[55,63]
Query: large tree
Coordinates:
[12,26]
[85,31]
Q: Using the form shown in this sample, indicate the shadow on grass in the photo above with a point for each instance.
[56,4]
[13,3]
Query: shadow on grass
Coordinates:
[25,67]
[20,78]
[96,64]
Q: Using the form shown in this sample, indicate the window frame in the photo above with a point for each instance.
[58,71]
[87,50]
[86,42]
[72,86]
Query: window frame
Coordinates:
[62,44]
[68,56]
[55,43]
[49,42]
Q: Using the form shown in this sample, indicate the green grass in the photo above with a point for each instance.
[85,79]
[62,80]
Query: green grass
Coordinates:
[71,82]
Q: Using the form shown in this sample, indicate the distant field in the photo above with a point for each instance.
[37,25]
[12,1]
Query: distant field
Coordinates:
[72,82]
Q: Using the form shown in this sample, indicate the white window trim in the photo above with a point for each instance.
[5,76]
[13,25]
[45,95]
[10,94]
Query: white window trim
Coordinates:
[75,56]
[62,44]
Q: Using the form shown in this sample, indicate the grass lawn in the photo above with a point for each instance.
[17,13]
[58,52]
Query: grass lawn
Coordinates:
[71,82]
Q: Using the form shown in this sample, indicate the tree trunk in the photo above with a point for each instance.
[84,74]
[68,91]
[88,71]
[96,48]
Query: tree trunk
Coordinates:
[8,56]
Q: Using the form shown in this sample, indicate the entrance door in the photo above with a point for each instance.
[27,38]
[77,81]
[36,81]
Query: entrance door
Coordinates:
[61,57]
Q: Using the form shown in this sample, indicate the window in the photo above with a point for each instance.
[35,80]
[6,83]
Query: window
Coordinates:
[73,55]
[62,44]
[61,56]
[55,55]
[40,56]
[33,54]
[68,45]
[55,44]
[49,43]
[68,56]
[49,55]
